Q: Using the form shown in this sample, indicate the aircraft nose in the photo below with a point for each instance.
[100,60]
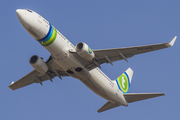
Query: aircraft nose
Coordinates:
[19,13]
[30,20]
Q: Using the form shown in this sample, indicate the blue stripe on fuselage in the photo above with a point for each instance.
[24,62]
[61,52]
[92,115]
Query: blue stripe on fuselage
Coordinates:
[48,35]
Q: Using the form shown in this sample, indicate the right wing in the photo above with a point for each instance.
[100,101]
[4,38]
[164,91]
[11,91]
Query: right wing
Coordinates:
[36,77]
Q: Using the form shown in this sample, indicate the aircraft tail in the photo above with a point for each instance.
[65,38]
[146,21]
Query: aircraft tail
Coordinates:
[124,80]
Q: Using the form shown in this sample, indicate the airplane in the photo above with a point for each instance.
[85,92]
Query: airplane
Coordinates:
[81,62]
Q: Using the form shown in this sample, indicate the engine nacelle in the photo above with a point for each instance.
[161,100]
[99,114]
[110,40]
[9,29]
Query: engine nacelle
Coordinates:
[38,64]
[85,51]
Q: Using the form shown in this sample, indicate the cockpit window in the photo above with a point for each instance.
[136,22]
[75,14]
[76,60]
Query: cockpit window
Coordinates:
[29,10]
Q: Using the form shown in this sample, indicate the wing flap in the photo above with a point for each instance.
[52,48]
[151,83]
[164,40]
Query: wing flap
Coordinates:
[133,97]
[107,106]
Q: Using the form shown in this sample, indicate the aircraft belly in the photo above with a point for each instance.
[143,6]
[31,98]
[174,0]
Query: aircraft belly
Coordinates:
[59,50]
[96,89]
[94,79]
[98,84]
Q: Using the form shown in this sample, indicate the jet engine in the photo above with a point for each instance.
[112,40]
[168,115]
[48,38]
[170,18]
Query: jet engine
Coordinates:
[85,51]
[38,64]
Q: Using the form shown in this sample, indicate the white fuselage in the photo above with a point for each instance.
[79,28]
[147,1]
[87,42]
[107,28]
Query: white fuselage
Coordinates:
[60,48]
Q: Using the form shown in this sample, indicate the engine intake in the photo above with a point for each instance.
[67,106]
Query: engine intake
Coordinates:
[85,51]
[38,64]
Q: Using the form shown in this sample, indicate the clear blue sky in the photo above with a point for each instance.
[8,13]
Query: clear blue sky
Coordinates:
[101,24]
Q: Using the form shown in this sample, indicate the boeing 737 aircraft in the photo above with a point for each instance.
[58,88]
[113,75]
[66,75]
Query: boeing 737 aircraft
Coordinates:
[81,62]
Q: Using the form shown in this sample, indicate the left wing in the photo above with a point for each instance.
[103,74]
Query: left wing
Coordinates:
[36,77]
[112,55]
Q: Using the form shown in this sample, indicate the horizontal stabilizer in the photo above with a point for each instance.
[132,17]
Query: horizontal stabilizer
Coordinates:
[107,106]
[133,97]
[130,97]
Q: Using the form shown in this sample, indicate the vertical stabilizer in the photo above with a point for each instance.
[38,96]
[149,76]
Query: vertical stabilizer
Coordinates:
[124,80]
